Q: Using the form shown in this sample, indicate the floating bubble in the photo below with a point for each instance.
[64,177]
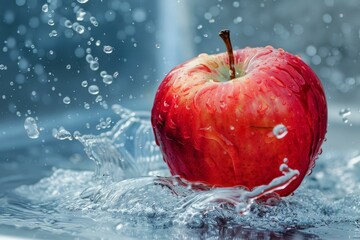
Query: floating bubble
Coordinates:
[98,98]
[108,49]
[94,65]
[82,1]
[93,89]
[108,79]
[103,73]
[84,83]
[68,66]
[94,22]
[80,29]
[53,33]
[86,105]
[3,67]
[51,22]
[80,14]
[45,8]
[68,24]
[280,131]
[89,58]
[344,113]
[31,128]
[157,45]
[66,100]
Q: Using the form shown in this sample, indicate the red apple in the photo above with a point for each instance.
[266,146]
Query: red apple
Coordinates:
[215,125]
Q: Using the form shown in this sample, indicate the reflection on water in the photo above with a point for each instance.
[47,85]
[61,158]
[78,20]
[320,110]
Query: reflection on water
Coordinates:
[131,195]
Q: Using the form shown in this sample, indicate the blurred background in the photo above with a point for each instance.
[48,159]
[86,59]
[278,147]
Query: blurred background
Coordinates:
[64,63]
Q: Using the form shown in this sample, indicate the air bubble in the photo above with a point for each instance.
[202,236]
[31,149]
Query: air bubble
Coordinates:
[82,1]
[280,131]
[107,79]
[31,128]
[344,113]
[94,65]
[45,8]
[98,98]
[84,83]
[51,22]
[80,29]
[108,49]
[80,14]
[68,24]
[93,89]
[86,105]
[3,67]
[66,100]
[94,22]
[68,66]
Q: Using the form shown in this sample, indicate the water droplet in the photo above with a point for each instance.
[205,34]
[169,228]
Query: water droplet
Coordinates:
[82,1]
[107,79]
[80,14]
[53,33]
[89,58]
[3,67]
[200,27]
[103,73]
[98,99]
[108,49]
[51,22]
[45,8]
[94,65]
[280,131]
[31,128]
[61,134]
[93,89]
[84,83]
[86,105]
[94,22]
[344,113]
[66,100]
[80,29]
[68,24]
[157,45]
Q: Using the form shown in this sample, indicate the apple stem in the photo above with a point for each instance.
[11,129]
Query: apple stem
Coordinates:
[225,35]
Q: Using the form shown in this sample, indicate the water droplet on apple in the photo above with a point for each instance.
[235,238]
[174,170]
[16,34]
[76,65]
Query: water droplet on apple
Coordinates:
[232,127]
[280,131]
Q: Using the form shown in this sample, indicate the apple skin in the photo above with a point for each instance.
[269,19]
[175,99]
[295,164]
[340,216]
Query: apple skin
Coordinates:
[218,131]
